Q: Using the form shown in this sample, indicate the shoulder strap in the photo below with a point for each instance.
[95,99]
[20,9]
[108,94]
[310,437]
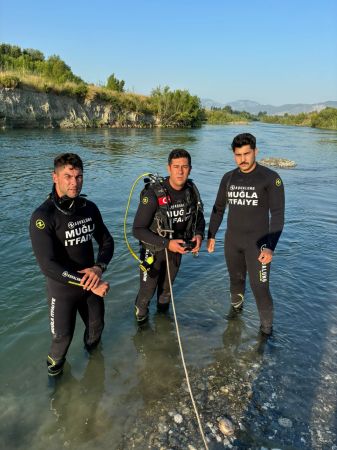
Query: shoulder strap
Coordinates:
[192,186]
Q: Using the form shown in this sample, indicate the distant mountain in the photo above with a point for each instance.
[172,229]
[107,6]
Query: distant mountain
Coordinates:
[255,107]
[208,103]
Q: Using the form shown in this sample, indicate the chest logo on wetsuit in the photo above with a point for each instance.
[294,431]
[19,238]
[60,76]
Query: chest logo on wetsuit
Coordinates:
[179,213]
[80,232]
[242,195]
[40,224]
[278,182]
[145,200]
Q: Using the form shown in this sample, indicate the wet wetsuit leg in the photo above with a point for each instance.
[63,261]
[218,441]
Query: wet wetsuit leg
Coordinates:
[149,280]
[163,292]
[259,282]
[237,268]
[62,302]
[91,310]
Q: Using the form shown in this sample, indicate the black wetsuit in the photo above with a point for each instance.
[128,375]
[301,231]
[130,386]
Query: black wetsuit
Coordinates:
[255,220]
[157,277]
[62,243]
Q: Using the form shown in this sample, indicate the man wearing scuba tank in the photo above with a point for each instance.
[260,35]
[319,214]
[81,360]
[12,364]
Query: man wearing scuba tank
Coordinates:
[61,231]
[169,216]
[255,198]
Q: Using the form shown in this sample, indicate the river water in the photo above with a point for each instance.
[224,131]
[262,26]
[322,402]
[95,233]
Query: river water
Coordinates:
[135,380]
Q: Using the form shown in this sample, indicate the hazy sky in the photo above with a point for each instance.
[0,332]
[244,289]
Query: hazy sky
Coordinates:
[270,51]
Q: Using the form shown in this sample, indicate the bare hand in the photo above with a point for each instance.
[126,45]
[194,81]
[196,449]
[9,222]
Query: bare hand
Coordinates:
[265,256]
[175,247]
[91,277]
[210,245]
[102,289]
[198,240]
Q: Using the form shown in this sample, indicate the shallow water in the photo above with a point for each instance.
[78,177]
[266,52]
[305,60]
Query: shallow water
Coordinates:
[99,398]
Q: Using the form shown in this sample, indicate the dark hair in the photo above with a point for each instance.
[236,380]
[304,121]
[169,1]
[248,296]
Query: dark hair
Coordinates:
[244,139]
[65,159]
[179,153]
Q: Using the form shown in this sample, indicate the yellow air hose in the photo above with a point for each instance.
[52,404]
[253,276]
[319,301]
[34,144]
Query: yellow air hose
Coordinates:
[173,306]
[126,216]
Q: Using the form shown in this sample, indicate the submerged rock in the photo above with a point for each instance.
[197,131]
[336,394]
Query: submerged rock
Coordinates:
[281,163]
[178,418]
[284,422]
[226,427]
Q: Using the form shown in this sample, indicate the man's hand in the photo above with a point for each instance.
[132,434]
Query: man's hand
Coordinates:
[265,256]
[175,247]
[198,239]
[102,289]
[210,245]
[91,277]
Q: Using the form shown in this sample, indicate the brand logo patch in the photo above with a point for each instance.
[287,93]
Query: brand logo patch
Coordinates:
[40,224]
[278,182]
[145,200]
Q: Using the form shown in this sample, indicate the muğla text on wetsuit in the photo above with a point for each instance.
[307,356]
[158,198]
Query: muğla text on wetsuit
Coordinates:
[62,230]
[163,214]
[63,244]
[255,221]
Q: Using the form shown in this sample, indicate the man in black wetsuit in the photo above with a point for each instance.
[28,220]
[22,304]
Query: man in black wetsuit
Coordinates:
[169,215]
[255,198]
[61,231]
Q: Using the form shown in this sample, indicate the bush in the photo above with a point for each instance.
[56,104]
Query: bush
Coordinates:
[114,84]
[9,81]
[176,108]
[325,119]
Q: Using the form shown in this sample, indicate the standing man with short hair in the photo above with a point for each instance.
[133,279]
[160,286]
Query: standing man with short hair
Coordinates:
[255,198]
[61,231]
[169,216]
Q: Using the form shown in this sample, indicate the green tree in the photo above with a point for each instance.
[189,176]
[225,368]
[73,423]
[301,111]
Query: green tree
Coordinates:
[35,55]
[114,84]
[176,108]
[58,71]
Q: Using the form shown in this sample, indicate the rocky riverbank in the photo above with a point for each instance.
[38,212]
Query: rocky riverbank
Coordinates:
[239,409]
[27,108]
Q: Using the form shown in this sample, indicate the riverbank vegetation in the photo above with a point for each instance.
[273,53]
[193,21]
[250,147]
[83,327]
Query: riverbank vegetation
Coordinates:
[327,118]
[227,115]
[29,69]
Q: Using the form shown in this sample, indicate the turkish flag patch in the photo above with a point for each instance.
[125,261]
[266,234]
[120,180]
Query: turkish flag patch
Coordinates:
[163,200]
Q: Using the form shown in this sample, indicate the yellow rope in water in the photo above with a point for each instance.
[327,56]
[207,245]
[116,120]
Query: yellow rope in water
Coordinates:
[182,354]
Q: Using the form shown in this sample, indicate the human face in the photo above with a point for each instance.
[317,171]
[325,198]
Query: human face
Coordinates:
[245,158]
[68,181]
[179,170]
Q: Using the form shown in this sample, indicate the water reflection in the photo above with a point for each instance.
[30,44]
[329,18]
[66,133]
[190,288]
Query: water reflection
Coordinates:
[159,371]
[75,405]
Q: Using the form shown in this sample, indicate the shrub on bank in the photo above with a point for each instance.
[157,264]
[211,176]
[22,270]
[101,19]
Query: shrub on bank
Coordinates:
[9,81]
[327,118]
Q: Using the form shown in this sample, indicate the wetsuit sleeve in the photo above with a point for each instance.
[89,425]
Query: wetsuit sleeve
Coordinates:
[276,206]
[104,239]
[42,236]
[218,208]
[143,219]
[200,225]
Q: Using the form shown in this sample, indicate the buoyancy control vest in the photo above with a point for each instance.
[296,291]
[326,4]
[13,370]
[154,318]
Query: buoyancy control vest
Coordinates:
[162,223]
